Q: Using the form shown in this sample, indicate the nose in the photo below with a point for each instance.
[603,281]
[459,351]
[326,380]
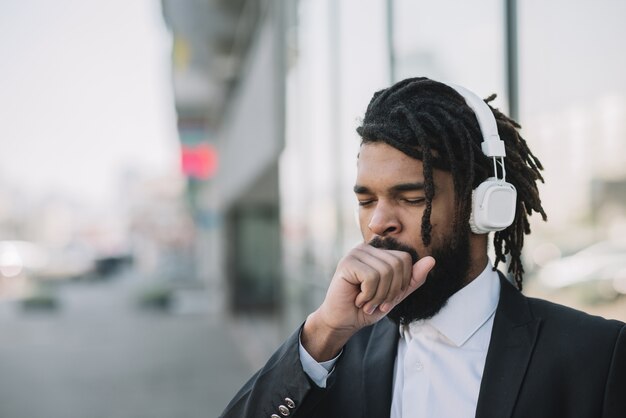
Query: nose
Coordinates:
[383,221]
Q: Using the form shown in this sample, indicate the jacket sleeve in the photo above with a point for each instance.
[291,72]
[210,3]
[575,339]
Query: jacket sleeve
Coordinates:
[615,394]
[280,384]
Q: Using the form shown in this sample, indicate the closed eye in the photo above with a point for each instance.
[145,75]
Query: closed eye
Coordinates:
[416,201]
[366,202]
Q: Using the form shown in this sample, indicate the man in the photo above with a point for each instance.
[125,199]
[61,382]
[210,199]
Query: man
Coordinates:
[416,321]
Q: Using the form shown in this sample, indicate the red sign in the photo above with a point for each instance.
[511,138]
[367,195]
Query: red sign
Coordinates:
[199,161]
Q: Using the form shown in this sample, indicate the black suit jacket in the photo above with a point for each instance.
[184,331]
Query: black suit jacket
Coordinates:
[544,360]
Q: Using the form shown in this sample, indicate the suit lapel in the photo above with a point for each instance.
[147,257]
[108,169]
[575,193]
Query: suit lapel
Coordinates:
[512,342]
[378,363]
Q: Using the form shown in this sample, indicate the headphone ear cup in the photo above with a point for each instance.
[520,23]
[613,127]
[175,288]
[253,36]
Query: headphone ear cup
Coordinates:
[493,206]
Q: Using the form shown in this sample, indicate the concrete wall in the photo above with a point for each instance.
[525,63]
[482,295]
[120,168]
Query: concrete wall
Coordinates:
[251,136]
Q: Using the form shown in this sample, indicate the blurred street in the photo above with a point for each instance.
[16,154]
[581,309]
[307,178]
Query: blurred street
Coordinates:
[99,355]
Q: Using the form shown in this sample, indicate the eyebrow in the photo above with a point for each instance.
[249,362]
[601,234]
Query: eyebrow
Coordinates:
[402,187]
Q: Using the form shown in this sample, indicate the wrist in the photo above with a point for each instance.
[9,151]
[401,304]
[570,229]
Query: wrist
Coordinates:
[321,341]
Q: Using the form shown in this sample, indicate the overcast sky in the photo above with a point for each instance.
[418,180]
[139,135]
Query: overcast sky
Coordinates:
[85,93]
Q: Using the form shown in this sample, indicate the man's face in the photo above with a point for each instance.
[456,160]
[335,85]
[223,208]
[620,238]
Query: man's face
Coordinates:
[390,190]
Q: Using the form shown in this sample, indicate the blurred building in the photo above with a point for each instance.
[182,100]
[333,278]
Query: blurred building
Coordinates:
[228,76]
[275,89]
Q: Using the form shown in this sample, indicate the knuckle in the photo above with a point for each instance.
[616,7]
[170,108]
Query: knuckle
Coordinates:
[346,262]
[388,271]
[370,275]
[399,259]
[369,287]
[405,257]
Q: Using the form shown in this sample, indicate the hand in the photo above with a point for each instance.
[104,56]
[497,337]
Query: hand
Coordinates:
[368,283]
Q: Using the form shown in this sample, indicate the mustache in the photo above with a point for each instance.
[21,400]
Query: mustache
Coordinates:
[393,244]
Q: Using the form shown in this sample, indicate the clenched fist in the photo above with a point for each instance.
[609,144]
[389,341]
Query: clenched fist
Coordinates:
[367,284]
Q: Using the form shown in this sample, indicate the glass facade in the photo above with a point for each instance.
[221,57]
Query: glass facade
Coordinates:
[571,105]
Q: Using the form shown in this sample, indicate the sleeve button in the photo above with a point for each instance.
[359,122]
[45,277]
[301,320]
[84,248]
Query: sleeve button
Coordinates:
[284,410]
[290,403]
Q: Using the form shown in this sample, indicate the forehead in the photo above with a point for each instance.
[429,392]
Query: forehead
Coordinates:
[378,161]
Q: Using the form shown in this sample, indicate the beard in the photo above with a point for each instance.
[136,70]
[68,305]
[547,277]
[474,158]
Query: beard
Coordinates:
[447,277]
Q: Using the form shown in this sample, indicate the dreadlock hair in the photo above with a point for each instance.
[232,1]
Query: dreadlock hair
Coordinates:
[431,122]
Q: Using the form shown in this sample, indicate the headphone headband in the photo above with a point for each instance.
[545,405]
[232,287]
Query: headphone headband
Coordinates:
[492,145]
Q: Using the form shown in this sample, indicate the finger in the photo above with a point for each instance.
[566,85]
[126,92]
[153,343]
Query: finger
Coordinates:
[419,274]
[391,256]
[400,261]
[372,289]
[381,293]
[406,262]
[393,267]
[400,282]
[368,278]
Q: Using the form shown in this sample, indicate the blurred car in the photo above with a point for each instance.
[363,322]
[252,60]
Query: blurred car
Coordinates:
[602,264]
[73,261]
[23,258]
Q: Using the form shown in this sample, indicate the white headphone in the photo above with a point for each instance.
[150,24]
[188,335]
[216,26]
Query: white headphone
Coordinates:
[494,200]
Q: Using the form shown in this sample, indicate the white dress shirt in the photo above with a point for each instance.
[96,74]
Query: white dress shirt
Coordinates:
[440,361]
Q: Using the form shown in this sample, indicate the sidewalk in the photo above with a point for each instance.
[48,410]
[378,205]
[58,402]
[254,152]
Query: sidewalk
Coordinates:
[101,357]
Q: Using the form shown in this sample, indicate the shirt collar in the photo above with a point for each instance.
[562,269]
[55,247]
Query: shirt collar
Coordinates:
[468,309]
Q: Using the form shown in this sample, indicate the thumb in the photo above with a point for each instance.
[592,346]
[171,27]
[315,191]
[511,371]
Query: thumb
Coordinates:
[419,274]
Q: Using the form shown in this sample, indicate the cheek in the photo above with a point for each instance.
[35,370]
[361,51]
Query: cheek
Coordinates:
[441,219]
[362,221]
[411,234]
